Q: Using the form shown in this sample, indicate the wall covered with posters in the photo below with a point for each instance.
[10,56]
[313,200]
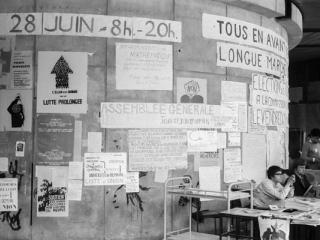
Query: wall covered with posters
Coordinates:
[101,102]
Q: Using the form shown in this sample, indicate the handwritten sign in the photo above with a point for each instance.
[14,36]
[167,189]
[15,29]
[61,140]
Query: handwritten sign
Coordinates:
[105,168]
[152,149]
[237,31]
[8,194]
[202,141]
[165,115]
[248,58]
[72,24]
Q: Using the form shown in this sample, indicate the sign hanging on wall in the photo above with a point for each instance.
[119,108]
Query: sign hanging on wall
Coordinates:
[52,197]
[8,194]
[237,31]
[152,149]
[55,134]
[105,168]
[90,25]
[191,90]
[144,66]
[62,82]
[22,70]
[166,115]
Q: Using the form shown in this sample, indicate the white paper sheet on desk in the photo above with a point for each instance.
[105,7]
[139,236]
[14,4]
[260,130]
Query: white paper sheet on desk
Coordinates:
[209,179]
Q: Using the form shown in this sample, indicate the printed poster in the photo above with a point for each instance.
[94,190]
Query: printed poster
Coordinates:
[22,70]
[7,45]
[16,110]
[62,82]
[207,159]
[105,168]
[52,188]
[8,194]
[132,182]
[191,90]
[274,228]
[144,66]
[152,149]
[55,134]
[202,141]
[20,147]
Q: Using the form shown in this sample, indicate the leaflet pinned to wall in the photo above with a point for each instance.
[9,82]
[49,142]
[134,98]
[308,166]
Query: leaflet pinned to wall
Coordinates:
[152,149]
[7,45]
[144,66]
[55,138]
[16,110]
[232,165]
[62,82]
[105,168]
[191,90]
[52,197]
[22,70]
[132,182]
[8,194]
[202,141]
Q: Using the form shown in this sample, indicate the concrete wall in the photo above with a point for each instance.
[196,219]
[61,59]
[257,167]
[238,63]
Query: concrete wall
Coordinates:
[97,216]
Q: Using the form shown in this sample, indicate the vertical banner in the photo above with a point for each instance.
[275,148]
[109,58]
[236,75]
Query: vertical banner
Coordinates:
[191,90]
[144,66]
[52,198]
[8,194]
[16,110]
[7,45]
[55,138]
[62,82]
[274,228]
[105,168]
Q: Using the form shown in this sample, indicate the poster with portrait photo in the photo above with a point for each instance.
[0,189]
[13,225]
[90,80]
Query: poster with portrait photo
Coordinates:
[62,82]
[16,110]
[191,90]
[7,45]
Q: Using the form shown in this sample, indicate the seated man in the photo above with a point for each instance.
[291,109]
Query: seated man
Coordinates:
[301,184]
[271,192]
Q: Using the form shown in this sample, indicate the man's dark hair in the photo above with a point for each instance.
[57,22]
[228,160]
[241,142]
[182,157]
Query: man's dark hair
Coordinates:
[273,170]
[315,132]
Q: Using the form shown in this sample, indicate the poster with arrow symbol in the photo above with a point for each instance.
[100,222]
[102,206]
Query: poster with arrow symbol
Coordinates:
[62,82]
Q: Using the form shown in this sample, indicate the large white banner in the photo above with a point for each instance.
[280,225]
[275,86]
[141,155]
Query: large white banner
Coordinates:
[105,168]
[90,25]
[165,115]
[249,58]
[144,66]
[237,31]
[62,82]
[152,149]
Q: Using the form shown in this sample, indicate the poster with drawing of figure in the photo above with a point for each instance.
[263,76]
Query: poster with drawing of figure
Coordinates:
[16,110]
[7,45]
[52,198]
[275,229]
[191,90]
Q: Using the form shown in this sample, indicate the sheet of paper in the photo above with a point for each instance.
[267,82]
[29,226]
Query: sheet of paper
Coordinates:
[94,141]
[275,148]
[4,164]
[132,182]
[20,147]
[161,175]
[254,149]
[191,90]
[232,165]
[77,140]
[202,141]
[22,70]
[75,170]
[222,140]
[234,139]
[233,91]
[9,194]
[74,189]
[209,179]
